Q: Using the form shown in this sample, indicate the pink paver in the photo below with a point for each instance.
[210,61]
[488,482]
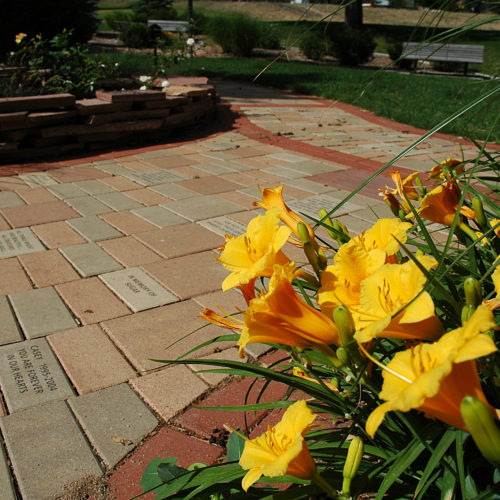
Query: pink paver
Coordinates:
[175,241]
[39,213]
[162,333]
[180,387]
[174,273]
[57,235]
[91,301]
[12,277]
[120,183]
[48,268]
[36,195]
[90,359]
[127,222]
[129,252]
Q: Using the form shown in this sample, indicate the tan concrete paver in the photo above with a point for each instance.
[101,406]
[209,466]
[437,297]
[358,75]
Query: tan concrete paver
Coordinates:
[94,186]
[88,205]
[39,213]
[175,241]
[36,195]
[127,222]
[147,197]
[90,260]
[40,312]
[202,207]
[159,216]
[129,252]
[90,359]
[91,301]
[48,268]
[12,277]
[172,191]
[114,420]
[181,387]
[12,184]
[92,228]
[209,185]
[240,199]
[66,191]
[150,334]
[175,274]
[10,199]
[57,234]
[118,201]
[10,332]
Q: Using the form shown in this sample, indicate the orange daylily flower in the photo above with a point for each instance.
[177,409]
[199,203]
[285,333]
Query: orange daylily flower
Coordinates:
[407,186]
[280,316]
[222,321]
[437,171]
[434,378]
[441,204]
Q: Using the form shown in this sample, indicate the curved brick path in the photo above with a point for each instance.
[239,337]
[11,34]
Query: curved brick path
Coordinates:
[105,261]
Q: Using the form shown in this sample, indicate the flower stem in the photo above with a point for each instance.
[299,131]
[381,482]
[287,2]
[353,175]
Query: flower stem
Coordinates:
[324,485]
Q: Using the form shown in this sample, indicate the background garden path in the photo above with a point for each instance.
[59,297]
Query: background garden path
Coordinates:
[106,261]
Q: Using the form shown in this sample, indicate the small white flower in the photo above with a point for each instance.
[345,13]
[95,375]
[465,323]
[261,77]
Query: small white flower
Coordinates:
[117,64]
[165,84]
[143,87]
[190,42]
[144,78]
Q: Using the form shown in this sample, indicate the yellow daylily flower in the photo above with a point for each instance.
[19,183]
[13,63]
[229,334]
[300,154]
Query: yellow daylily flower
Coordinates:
[434,378]
[441,204]
[273,198]
[20,37]
[494,303]
[357,259]
[282,449]
[255,253]
[392,304]
[280,316]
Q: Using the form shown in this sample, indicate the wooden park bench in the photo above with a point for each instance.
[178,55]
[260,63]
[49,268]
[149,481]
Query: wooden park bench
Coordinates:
[443,52]
[173,26]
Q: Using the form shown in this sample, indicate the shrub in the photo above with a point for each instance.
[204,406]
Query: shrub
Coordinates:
[154,9]
[47,18]
[350,47]
[198,20]
[110,20]
[236,33]
[269,37]
[313,46]
[55,66]
[136,36]
[395,50]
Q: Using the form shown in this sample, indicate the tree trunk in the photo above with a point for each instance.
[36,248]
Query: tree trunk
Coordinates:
[354,15]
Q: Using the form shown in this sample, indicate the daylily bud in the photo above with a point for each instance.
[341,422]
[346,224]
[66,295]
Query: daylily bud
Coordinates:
[312,257]
[344,323]
[303,233]
[421,188]
[482,427]
[322,260]
[473,292]
[467,312]
[325,218]
[342,355]
[477,206]
[342,234]
[353,459]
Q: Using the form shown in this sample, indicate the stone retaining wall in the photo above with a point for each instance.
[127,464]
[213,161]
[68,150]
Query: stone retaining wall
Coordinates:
[50,125]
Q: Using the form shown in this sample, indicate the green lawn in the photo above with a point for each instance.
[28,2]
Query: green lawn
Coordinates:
[421,101]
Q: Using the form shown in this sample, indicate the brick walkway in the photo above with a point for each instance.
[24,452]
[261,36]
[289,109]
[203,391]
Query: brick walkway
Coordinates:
[107,261]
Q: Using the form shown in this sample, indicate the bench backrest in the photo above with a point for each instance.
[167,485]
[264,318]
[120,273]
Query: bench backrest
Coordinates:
[440,52]
[174,26]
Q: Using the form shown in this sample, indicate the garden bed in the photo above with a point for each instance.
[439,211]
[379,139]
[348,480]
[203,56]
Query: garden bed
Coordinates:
[52,125]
